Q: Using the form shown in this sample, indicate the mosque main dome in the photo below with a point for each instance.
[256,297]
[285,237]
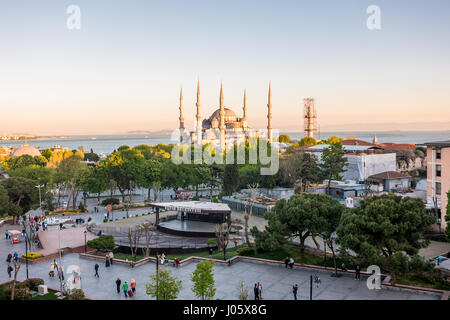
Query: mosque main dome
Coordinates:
[231,120]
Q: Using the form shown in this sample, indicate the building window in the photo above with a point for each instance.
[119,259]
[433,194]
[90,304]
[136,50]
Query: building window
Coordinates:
[438,153]
[438,170]
[438,188]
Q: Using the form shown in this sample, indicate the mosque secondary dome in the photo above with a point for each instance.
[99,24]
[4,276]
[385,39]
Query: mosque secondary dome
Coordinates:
[25,150]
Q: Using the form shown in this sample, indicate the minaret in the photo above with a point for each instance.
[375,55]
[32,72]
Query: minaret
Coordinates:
[244,116]
[181,116]
[199,117]
[222,119]
[269,115]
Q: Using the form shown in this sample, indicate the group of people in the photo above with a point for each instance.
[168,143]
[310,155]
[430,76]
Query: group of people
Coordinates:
[129,289]
[109,259]
[59,269]
[9,259]
[289,262]
[258,291]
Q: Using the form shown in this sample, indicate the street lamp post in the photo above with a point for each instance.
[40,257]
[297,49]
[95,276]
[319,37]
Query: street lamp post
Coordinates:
[310,287]
[40,199]
[26,251]
[85,234]
[59,246]
[157,274]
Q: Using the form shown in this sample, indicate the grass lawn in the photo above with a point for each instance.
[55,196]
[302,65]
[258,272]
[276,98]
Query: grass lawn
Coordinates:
[49,296]
[418,281]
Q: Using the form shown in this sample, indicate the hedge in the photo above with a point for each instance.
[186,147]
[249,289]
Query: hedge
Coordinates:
[103,242]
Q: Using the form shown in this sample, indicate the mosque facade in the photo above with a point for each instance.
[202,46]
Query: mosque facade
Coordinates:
[223,127]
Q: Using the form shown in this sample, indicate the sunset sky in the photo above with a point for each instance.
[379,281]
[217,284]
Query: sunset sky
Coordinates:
[123,70]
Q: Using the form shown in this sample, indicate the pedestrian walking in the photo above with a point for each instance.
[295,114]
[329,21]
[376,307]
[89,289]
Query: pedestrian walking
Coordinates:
[210,253]
[118,283]
[125,288]
[255,291]
[6,234]
[9,270]
[96,270]
[259,291]
[111,257]
[107,261]
[15,256]
[295,290]
[358,273]
[133,286]
[55,264]
[52,271]
[286,262]
[9,258]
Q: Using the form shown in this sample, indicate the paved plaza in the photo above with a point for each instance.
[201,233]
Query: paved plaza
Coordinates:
[276,280]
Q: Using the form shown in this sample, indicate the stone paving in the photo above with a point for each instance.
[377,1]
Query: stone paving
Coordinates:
[276,280]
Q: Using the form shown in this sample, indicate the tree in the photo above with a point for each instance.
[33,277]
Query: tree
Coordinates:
[334,140]
[134,235]
[148,229]
[333,163]
[22,195]
[16,271]
[298,166]
[328,214]
[300,216]
[203,279]
[230,178]
[69,171]
[284,138]
[96,181]
[382,226]
[125,167]
[243,291]
[163,286]
[151,174]
[4,201]
[223,237]
[307,141]
[247,215]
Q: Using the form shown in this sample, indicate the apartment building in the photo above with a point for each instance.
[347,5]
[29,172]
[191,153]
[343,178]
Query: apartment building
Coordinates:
[438,176]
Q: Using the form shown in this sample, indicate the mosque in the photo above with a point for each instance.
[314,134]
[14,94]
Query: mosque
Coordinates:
[223,127]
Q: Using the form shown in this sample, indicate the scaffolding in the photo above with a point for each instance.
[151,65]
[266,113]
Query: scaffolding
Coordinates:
[310,117]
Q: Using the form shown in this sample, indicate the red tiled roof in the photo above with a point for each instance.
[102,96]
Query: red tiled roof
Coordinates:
[398,146]
[356,142]
[389,175]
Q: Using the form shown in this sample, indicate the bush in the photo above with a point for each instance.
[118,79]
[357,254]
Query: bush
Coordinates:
[418,264]
[81,207]
[211,241]
[77,294]
[111,201]
[103,242]
[32,255]
[436,237]
[195,198]
[246,251]
[21,292]
[105,220]
[33,283]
